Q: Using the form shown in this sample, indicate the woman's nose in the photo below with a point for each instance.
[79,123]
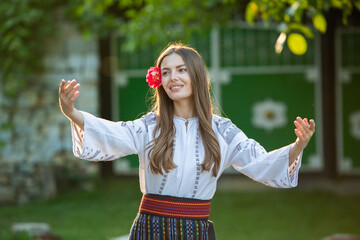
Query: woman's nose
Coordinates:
[173,76]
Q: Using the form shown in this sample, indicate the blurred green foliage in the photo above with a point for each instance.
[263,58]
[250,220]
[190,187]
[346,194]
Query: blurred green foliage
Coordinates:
[25,24]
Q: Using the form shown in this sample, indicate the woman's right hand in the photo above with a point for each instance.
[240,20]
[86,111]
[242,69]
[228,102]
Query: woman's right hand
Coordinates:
[68,93]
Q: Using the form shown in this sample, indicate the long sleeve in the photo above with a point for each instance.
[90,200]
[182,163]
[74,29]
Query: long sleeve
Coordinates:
[103,140]
[250,158]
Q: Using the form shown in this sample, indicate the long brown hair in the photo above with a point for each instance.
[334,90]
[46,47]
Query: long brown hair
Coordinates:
[161,148]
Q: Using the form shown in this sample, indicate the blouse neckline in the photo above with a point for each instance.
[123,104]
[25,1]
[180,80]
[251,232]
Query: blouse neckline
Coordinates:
[184,119]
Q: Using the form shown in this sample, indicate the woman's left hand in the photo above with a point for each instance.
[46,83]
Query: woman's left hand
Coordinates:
[304,131]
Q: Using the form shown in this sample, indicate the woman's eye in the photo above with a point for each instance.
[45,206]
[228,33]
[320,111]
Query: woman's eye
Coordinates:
[183,70]
[165,73]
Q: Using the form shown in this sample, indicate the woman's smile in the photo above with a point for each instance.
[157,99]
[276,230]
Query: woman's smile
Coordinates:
[176,88]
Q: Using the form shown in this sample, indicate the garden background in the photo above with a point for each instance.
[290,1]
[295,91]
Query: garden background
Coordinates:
[269,62]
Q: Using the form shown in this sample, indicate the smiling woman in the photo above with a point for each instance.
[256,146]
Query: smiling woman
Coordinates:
[183,148]
[185,94]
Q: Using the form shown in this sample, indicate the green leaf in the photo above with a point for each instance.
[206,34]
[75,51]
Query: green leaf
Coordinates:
[302,28]
[344,20]
[251,12]
[297,43]
[357,4]
[337,3]
[287,18]
[79,11]
[9,23]
[319,22]
[9,92]
[6,126]
[15,44]
[7,39]
[2,144]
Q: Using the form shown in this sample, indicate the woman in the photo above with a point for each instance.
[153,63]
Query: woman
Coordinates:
[183,148]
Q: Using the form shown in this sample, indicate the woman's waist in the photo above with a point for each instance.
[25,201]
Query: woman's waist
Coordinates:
[172,206]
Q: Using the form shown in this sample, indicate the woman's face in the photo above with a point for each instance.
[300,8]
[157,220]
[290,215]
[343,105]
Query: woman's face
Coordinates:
[175,78]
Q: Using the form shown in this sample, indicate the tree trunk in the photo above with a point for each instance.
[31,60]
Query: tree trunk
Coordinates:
[328,87]
[105,80]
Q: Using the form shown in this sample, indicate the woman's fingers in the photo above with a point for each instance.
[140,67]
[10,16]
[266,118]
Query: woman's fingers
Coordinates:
[306,121]
[68,93]
[312,125]
[304,129]
[299,135]
[62,86]
[300,125]
[70,86]
[74,97]
[73,90]
[67,90]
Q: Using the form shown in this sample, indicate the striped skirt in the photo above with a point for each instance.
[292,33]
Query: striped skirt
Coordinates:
[157,222]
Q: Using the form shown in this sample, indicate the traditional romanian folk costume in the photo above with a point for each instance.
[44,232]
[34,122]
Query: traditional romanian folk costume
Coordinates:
[176,205]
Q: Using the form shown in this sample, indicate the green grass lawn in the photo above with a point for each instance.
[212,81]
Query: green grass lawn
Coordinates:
[274,214]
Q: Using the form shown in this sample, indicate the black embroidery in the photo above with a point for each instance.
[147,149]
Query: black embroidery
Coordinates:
[252,150]
[227,129]
[292,177]
[163,181]
[148,119]
[198,166]
[276,183]
[109,158]
[139,131]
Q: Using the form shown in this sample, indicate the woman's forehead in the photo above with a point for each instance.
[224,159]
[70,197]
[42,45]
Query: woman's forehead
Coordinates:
[171,61]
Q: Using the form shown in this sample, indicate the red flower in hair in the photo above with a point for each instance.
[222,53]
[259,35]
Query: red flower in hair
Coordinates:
[153,77]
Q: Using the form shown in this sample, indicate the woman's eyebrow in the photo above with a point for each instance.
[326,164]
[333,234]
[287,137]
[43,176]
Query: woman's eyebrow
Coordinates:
[179,66]
[182,65]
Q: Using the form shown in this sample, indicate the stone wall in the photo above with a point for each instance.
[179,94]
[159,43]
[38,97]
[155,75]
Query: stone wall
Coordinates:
[38,146]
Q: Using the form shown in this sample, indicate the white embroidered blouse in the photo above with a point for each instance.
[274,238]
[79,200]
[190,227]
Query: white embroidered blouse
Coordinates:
[103,140]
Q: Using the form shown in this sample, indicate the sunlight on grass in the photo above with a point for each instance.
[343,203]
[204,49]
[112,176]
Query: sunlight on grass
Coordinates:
[109,210]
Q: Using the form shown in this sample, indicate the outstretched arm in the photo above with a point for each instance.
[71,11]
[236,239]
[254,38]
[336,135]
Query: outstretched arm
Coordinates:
[68,93]
[304,132]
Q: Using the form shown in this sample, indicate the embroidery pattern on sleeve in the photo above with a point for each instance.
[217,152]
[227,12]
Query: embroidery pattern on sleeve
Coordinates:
[227,129]
[94,155]
[240,147]
[106,157]
[276,183]
[148,119]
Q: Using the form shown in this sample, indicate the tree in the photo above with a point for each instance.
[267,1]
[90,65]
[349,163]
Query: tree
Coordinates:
[151,21]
